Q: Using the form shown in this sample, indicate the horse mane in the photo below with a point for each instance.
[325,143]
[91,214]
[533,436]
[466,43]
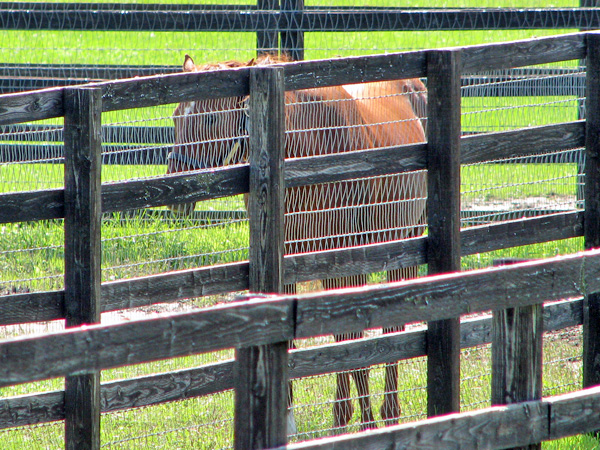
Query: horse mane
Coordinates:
[265,59]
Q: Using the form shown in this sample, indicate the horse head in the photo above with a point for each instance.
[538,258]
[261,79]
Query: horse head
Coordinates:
[208,133]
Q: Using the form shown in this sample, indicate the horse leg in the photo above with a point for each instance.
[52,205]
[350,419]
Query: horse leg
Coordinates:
[291,420]
[390,408]
[342,408]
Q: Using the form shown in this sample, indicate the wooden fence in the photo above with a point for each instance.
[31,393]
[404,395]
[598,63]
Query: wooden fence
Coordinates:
[260,329]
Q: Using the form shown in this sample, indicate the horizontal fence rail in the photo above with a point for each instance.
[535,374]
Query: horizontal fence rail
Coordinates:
[268,323]
[245,18]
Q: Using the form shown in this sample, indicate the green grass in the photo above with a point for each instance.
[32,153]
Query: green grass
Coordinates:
[33,253]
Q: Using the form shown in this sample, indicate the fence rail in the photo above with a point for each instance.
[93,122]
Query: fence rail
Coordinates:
[267,324]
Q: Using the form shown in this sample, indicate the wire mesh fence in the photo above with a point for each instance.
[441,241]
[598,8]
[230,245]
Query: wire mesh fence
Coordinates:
[151,242]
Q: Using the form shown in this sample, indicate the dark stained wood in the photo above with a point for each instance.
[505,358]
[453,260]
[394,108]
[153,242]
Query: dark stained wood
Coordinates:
[356,69]
[292,35]
[36,205]
[32,307]
[591,305]
[446,296]
[514,233]
[37,105]
[99,346]
[201,185]
[261,372]
[492,428]
[517,341]
[443,221]
[83,256]
[220,279]
[532,141]
[213,378]
[173,286]
[523,53]
[355,260]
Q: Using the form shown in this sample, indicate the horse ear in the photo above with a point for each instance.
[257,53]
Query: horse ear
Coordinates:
[252,62]
[188,64]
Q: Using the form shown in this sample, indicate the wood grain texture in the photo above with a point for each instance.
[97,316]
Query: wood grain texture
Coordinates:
[591,308]
[175,285]
[201,185]
[532,141]
[490,428]
[523,53]
[261,372]
[213,378]
[225,278]
[83,255]
[447,296]
[443,222]
[99,347]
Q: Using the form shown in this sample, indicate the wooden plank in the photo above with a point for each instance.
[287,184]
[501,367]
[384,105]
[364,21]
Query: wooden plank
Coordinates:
[32,307]
[103,346]
[517,342]
[220,279]
[515,233]
[192,187]
[356,69]
[443,222]
[83,255]
[533,141]
[261,372]
[335,19]
[174,88]
[214,378]
[292,34]
[398,19]
[591,308]
[174,286]
[447,296]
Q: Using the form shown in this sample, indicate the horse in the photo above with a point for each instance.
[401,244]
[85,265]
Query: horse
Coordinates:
[320,121]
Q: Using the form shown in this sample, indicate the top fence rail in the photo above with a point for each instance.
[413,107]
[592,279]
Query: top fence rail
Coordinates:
[173,88]
[132,17]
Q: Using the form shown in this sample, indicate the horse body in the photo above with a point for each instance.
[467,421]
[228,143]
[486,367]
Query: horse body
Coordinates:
[321,121]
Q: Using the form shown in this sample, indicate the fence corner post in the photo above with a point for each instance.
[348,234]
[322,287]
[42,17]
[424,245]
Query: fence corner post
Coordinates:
[82,136]
[443,205]
[261,378]
[591,301]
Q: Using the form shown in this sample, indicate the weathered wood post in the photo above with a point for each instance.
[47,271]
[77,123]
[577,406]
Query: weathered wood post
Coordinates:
[517,342]
[591,303]
[443,206]
[267,39]
[292,39]
[262,372]
[82,136]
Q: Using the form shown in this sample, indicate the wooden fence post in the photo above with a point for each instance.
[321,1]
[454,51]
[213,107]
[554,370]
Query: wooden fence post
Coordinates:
[262,372]
[517,342]
[591,303]
[267,40]
[443,205]
[82,136]
[292,39]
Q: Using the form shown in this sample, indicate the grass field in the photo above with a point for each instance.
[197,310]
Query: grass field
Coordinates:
[31,255]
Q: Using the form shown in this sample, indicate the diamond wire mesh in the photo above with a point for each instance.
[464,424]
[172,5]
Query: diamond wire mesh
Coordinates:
[138,247]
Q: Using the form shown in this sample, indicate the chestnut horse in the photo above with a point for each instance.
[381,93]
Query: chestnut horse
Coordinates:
[321,121]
